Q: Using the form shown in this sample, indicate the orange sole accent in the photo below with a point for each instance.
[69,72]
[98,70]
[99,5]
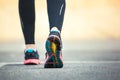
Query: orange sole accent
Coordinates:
[32,61]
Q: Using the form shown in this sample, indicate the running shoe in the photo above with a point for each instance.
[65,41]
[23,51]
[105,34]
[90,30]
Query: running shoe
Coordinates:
[54,53]
[31,57]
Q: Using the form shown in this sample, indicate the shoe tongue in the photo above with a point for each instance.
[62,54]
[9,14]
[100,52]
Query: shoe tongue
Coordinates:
[30,50]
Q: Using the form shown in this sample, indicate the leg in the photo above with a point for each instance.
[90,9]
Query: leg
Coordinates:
[56,9]
[27,17]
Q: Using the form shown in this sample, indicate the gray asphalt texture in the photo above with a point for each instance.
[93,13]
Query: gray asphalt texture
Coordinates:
[79,64]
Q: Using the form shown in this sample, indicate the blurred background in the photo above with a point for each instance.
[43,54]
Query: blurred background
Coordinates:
[89,25]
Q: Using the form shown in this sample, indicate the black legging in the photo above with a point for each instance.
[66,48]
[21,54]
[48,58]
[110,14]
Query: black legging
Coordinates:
[56,9]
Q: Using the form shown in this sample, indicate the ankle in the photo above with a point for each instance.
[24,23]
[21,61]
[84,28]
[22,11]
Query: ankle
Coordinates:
[54,29]
[28,46]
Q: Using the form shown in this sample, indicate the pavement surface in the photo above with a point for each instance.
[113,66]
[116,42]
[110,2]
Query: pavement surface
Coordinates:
[79,64]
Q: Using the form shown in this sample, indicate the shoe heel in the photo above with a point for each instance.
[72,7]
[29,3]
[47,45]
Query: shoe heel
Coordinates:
[51,63]
[53,49]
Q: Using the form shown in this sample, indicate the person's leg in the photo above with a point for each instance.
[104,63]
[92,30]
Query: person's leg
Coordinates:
[27,18]
[56,9]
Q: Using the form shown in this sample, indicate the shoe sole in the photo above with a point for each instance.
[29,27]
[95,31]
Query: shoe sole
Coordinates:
[53,47]
[32,62]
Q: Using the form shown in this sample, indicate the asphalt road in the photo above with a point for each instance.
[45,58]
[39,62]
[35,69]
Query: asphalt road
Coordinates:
[93,64]
[91,70]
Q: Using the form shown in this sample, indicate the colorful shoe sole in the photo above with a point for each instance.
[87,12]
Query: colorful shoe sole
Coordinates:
[32,62]
[53,47]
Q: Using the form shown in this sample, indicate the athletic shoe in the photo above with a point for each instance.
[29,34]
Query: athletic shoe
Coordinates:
[54,53]
[31,57]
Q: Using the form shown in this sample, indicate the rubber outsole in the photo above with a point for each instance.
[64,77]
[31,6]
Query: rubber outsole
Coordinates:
[52,63]
[32,62]
[53,47]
